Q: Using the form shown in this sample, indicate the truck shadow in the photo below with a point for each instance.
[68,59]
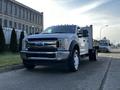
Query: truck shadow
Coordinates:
[89,72]
[85,65]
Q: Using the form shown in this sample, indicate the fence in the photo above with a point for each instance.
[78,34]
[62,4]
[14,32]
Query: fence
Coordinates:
[7,34]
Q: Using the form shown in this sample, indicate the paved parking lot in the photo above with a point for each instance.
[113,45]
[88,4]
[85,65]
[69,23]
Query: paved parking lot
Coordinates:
[101,75]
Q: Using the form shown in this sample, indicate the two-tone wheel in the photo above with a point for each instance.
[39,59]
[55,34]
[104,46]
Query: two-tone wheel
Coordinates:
[74,60]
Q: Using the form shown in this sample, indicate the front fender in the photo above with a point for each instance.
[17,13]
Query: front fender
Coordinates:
[73,44]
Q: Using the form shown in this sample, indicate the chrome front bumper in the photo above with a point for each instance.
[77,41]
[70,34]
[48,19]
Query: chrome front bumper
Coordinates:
[59,55]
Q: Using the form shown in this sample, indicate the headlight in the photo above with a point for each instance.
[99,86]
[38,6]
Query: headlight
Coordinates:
[62,44]
[24,41]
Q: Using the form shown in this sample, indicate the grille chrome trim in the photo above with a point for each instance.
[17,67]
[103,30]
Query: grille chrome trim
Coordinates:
[40,58]
[39,52]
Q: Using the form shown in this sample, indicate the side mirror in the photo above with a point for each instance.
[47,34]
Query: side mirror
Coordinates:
[79,35]
[85,33]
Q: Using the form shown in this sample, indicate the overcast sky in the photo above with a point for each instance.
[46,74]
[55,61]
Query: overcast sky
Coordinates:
[81,12]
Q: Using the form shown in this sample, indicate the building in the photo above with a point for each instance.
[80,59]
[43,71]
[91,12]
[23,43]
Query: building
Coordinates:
[21,17]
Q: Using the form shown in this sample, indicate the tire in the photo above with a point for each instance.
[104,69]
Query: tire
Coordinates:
[74,60]
[28,66]
[92,55]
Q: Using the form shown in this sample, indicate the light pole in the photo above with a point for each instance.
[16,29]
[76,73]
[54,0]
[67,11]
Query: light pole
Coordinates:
[101,29]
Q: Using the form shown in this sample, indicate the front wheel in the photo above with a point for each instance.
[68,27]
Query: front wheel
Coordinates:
[74,60]
[28,66]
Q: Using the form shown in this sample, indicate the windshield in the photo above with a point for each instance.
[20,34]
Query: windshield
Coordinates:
[60,29]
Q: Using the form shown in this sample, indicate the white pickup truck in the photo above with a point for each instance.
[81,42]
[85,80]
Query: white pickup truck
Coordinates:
[61,43]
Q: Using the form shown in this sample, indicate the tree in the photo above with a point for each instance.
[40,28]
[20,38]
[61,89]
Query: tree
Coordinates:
[13,41]
[2,40]
[20,40]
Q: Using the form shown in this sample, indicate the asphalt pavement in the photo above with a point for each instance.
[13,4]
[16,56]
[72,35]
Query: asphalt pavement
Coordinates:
[103,74]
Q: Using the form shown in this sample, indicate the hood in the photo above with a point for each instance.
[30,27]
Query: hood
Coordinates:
[65,35]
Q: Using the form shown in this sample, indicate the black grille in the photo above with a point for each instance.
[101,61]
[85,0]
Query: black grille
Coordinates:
[41,39]
[42,55]
[43,49]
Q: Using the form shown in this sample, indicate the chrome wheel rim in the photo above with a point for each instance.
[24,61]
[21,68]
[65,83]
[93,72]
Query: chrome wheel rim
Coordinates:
[76,60]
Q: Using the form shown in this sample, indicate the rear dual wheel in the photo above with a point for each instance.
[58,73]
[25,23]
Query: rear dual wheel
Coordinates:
[92,55]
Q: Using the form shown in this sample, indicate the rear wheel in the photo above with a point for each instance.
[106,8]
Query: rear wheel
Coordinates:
[28,66]
[74,60]
[92,55]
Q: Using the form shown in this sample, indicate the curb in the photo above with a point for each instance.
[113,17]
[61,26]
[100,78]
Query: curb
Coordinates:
[11,68]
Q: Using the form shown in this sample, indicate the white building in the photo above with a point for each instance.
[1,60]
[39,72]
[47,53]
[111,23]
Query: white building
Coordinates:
[19,16]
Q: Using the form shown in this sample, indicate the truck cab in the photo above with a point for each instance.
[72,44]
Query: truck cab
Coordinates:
[61,43]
